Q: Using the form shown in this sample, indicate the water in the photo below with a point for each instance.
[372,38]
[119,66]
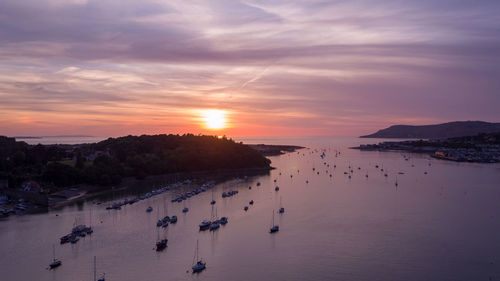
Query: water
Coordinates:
[60,139]
[444,225]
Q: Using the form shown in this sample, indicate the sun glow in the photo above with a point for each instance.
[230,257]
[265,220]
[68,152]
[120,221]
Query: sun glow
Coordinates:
[214,119]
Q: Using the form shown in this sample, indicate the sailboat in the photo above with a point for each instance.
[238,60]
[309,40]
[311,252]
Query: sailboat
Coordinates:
[55,262]
[282,210]
[274,228]
[200,265]
[160,244]
[215,222]
[102,278]
[205,224]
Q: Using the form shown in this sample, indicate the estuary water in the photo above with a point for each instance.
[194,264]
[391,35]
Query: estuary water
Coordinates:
[441,222]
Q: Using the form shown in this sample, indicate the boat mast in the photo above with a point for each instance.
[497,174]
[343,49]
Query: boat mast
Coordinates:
[195,258]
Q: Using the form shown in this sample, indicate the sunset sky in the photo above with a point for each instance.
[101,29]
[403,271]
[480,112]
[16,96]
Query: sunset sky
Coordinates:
[270,67]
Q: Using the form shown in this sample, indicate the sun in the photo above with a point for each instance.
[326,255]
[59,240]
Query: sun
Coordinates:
[214,119]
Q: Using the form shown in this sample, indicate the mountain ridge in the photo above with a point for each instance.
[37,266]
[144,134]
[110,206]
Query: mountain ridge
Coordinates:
[436,131]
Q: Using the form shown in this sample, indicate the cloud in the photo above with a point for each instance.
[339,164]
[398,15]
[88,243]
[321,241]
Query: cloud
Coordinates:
[274,64]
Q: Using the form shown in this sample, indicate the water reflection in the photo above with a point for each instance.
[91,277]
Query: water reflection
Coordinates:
[442,225]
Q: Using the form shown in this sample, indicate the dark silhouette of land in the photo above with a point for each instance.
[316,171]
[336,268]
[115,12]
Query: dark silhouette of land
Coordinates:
[482,148]
[438,131]
[106,163]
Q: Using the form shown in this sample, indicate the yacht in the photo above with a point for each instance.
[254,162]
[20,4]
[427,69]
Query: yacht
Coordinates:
[274,228]
[204,225]
[161,245]
[199,266]
[281,210]
[55,262]
[223,220]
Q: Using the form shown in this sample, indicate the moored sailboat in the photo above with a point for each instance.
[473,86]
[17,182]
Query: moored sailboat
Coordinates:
[199,266]
[55,262]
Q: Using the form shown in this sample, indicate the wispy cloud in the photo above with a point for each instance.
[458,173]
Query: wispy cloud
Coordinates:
[288,67]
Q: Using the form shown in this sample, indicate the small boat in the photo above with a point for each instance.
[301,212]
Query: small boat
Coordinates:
[199,266]
[212,202]
[55,262]
[215,225]
[223,220]
[159,223]
[281,210]
[65,239]
[245,208]
[173,219]
[185,210]
[251,202]
[149,209]
[161,245]
[204,225]
[258,183]
[74,239]
[274,228]
[276,188]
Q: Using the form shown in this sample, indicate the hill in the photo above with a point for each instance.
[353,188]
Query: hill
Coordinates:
[438,131]
[107,162]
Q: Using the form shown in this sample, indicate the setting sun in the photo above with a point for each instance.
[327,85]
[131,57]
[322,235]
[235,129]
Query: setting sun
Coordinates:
[214,119]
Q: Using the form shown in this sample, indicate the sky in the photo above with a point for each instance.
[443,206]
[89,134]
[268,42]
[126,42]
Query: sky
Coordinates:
[273,67]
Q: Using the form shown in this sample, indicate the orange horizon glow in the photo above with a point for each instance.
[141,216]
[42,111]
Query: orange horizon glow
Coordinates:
[161,67]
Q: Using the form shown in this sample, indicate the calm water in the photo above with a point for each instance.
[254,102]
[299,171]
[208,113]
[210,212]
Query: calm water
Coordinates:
[444,225]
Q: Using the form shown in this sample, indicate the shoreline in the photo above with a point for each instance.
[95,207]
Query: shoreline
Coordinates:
[89,191]
[441,153]
[32,202]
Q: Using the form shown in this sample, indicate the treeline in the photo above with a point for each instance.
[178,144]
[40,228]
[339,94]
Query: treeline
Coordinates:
[109,161]
[467,142]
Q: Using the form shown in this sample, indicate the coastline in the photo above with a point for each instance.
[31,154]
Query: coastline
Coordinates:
[455,154]
[90,191]
[25,202]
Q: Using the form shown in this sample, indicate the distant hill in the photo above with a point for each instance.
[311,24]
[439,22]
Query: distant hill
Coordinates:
[438,131]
